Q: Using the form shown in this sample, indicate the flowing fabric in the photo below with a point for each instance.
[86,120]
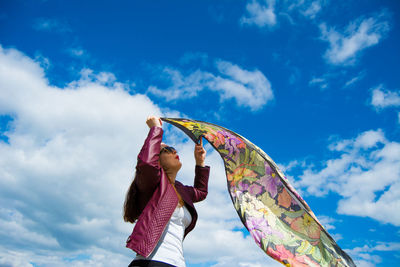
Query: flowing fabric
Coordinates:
[276,216]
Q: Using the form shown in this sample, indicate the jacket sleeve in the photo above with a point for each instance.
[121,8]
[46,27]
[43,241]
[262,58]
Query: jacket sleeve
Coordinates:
[148,170]
[200,189]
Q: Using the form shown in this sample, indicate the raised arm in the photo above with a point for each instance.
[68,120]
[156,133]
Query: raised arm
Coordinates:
[148,170]
[200,188]
[202,172]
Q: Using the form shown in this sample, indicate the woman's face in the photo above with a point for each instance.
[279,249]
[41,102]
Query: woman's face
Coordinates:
[169,159]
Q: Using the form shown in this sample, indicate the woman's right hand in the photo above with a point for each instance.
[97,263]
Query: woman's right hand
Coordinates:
[152,121]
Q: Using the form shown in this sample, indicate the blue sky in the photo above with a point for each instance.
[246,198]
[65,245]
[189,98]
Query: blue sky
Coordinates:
[314,83]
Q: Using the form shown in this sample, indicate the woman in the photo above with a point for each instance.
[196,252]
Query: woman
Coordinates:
[161,206]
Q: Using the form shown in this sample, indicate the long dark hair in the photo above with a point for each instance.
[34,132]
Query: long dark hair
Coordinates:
[131,209]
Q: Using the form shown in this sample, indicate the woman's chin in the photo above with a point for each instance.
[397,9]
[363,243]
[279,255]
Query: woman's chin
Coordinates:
[177,166]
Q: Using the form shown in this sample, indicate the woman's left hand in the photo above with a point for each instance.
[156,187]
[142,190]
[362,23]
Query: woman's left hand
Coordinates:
[200,153]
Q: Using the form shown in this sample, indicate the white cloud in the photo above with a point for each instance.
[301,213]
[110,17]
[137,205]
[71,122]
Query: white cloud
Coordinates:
[260,14]
[321,82]
[327,222]
[369,139]
[183,87]
[249,89]
[44,62]
[69,160]
[324,80]
[307,8]
[312,9]
[69,152]
[90,257]
[363,263]
[365,173]
[358,35]
[265,13]
[382,98]
[354,80]
[383,246]
[365,256]
[77,52]
[14,225]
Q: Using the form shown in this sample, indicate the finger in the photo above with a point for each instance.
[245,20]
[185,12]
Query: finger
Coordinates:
[201,141]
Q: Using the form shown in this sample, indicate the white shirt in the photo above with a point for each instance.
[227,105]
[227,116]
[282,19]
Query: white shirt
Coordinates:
[169,248]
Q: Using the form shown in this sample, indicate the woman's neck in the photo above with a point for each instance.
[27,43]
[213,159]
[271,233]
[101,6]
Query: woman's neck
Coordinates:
[171,176]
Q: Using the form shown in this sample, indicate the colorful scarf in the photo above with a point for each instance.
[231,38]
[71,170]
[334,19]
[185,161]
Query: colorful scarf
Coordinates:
[279,220]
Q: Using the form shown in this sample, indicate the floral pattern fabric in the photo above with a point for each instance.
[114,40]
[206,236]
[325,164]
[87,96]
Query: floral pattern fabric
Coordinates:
[276,216]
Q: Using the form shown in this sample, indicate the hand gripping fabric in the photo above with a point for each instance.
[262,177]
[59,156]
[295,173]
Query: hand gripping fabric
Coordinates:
[279,220]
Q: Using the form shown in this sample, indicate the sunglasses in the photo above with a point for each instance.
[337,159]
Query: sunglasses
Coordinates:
[168,149]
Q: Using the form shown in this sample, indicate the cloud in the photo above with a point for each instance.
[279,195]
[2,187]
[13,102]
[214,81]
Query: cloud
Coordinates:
[259,13]
[382,98]
[354,80]
[68,161]
[321,82]
[91,257]
[358,35]
[250,89]
[324,81]
[365,255]
[183,87]
[366,174]
[77,52]
[307,8]
[327,222]
[312,10]
[51,25]
[265,13]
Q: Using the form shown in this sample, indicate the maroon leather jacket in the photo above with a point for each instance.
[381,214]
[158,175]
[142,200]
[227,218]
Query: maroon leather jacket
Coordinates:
[157,197]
